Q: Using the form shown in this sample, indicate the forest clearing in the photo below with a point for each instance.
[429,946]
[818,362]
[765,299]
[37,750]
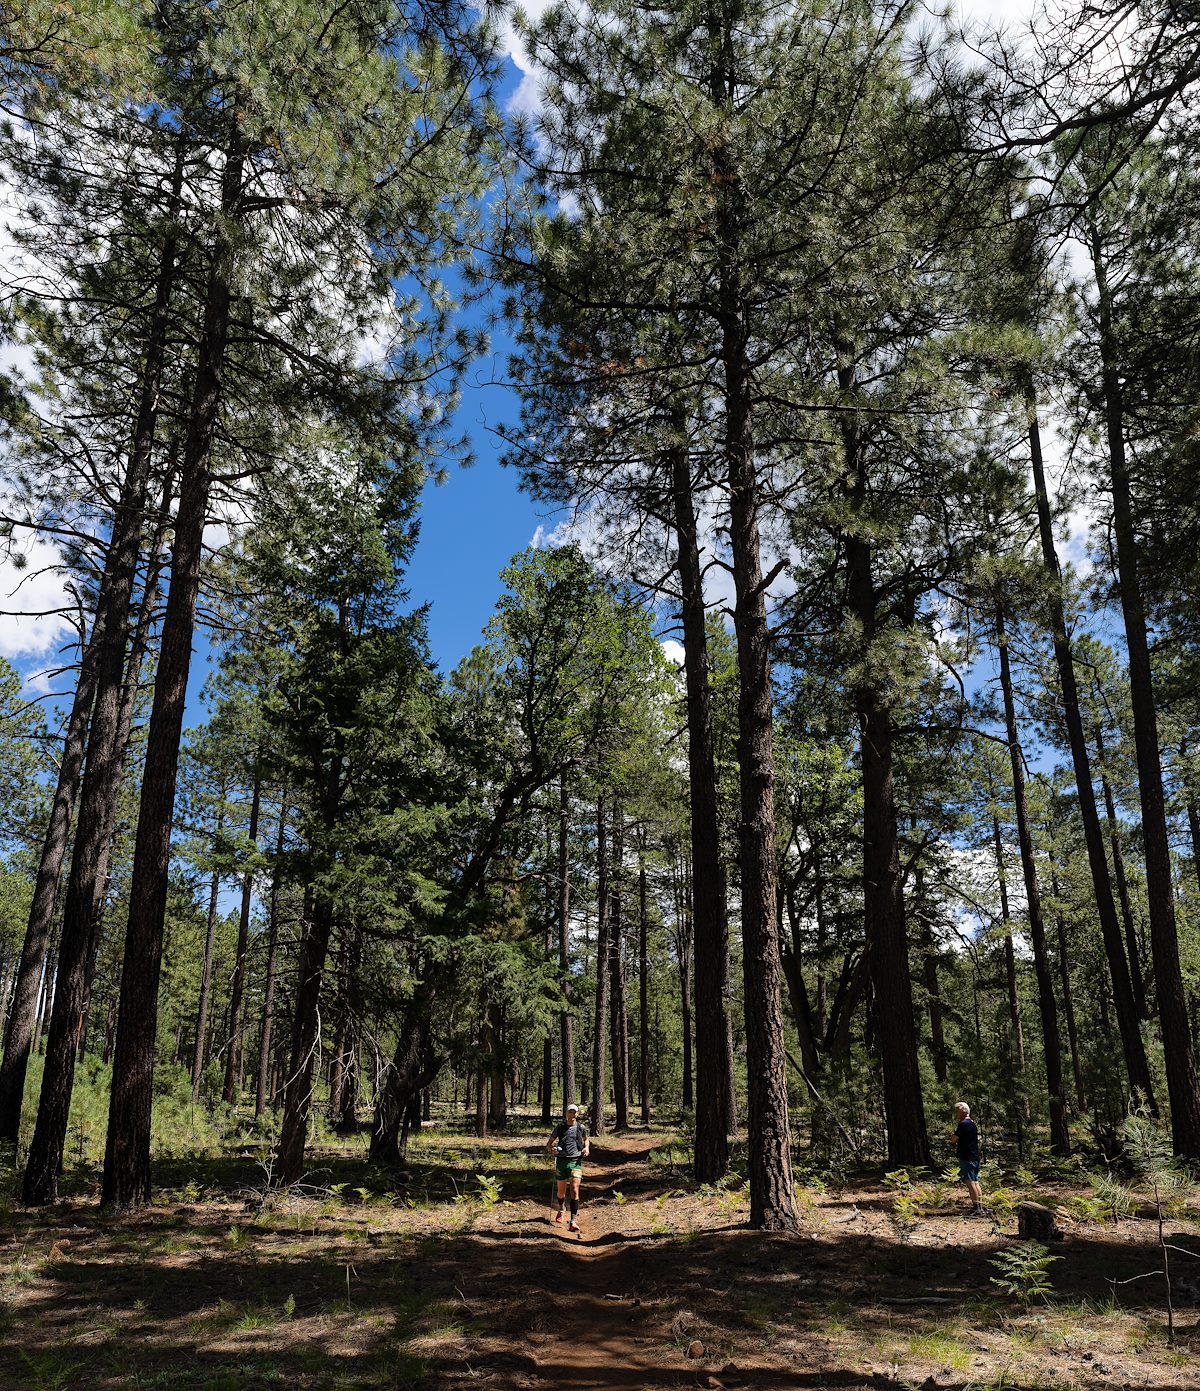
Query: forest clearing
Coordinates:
[448,1281]
[777,755]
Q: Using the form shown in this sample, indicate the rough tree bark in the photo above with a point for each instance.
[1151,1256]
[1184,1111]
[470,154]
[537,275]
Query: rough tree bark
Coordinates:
[106,742]
[127,1152]
[618,1007]
[600,1022]
[709,921]
[566,1022]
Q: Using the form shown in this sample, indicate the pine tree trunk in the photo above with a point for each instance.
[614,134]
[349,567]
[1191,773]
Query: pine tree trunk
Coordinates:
[1118,967]
[600,1023]
[19,1030]
[264,1046]
[566,1022]
[127,1153]
[303,1062]
[772,1200]
[106,742]
[710,947]
[643,995]
[1136,975]
[205,981]
[413,1067]
[883,897]
[618,1008]
[1183,1086]
[1064,971]
[1016,1033]
[1047,1007]
[937,1032]
[238,985]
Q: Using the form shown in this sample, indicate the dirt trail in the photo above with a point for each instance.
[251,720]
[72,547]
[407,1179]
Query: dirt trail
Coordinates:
[604,1309]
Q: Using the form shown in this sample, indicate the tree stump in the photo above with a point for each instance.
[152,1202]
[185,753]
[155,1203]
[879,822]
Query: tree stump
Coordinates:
[1036,1223]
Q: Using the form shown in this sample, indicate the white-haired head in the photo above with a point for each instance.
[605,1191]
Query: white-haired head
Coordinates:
[961,1108]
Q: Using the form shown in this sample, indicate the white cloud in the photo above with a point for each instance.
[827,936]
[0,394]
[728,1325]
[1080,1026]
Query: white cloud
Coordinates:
[672,651]
[32,626]
[526,100]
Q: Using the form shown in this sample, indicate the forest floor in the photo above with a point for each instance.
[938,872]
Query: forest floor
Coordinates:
[453,1282]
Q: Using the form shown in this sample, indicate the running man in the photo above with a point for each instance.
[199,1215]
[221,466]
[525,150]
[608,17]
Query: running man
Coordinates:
[571,1146]
[966,1137]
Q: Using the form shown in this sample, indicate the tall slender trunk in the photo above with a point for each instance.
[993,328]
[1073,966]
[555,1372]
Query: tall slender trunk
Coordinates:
[643,993]
[127,1153]
[618,1007]
[1047,1007]
[1193,816]
[1064,971]
[566,1021]
[929,968]
[238,984]
[1136,975]
[210,938]
[1118,967]
[264,1046]
[1183,1085]
[710,924]
[1016,1032]
[600,1023]
[883,896]
[22,1015]
[106,743]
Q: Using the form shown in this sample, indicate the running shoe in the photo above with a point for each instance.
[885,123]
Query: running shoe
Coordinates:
[558,1217]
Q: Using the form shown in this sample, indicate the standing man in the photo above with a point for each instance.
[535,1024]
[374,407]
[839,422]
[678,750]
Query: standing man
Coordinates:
[571,1147]
[966,1137]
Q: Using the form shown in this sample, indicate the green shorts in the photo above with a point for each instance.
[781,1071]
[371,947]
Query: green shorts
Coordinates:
[567,1168]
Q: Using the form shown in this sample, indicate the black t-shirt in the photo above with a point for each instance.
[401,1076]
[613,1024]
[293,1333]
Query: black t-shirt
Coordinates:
[570,1139]
[968,1139]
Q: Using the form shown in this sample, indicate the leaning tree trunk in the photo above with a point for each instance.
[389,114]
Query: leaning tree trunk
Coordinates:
[413,1067]
[1179,1055]
[1060,1142]
[127,1152]
[600,1023]
[710,948]
[1134,1050]
[238,985]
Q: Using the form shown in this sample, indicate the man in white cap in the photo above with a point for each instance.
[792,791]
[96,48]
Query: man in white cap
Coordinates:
[571,1146]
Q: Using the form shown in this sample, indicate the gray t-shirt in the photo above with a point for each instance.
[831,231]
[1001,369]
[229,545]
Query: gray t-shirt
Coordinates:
[570,1139]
